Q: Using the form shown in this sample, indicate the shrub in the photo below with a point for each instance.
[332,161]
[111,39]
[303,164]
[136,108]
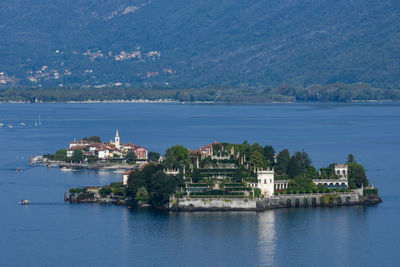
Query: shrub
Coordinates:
[75,190]
[105,190]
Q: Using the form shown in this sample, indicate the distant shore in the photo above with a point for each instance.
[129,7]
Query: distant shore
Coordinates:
[163,101]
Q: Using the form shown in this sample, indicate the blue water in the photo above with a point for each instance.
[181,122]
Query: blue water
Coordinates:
[50,232]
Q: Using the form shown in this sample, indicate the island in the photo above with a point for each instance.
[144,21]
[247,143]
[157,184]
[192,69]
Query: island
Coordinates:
[221,176]
[92,153]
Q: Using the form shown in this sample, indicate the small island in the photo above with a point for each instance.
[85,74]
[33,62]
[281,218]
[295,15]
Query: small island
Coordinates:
[92,153]
[223,176]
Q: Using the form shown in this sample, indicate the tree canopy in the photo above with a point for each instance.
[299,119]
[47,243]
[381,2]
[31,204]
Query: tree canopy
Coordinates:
[282,161]
[94,139]
[257,159]
[154,156]
[298,164]
[77,156]
[176,157]
[357,177]
[158,184]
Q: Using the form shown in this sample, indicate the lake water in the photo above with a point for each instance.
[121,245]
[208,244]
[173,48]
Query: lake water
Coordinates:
[50,232]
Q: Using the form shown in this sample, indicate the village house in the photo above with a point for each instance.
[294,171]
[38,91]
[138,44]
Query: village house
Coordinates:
[112,149]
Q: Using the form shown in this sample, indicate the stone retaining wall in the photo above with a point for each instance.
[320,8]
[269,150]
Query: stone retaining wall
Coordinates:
[281,201]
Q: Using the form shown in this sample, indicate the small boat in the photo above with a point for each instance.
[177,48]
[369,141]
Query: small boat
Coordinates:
[18,169]
[22,124]
[66,169]
[24,202]
[10,126]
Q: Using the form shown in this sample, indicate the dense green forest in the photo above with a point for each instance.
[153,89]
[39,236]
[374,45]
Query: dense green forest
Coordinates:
[255,47]
[329,93]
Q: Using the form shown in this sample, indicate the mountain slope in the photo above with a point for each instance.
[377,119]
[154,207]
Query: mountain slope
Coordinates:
[199,43]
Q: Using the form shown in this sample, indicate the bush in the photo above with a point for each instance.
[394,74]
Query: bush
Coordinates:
[105,190]
[257,192]
[368,191]
[75,190]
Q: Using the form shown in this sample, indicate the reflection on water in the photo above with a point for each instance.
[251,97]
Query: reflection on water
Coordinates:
[266,237]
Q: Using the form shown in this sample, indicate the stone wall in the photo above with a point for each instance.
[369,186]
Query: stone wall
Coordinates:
[309,200]
[281,201]
[188,203]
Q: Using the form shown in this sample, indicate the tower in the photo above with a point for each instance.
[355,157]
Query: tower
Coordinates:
[117,144]
[266,181]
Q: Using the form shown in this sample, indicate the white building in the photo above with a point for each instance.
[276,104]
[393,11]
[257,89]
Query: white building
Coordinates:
[265,182]
[125,177]
[341,170]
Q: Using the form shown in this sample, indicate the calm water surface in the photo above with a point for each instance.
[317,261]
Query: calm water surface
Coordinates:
[50,232]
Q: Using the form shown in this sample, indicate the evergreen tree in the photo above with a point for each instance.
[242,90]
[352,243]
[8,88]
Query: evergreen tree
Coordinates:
[257,159]
[77,156]
[298,164]
[269,154]
[282,161]
[350,158]
[357,176]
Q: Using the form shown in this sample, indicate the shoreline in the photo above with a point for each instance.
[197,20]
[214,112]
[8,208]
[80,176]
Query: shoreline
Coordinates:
[144,101]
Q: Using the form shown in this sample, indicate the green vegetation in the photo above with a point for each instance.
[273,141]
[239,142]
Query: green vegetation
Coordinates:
[350,48]
[196,176]
[75,190]
[154,156]
[60,155]
[131,157]
[283,160]
[177,157]
[329,93]
[142,194]
[357,176]
[77,156]
[158,184]
[94,139]
[370,191]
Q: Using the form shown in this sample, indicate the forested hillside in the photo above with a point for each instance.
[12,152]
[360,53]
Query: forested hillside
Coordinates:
[194,44]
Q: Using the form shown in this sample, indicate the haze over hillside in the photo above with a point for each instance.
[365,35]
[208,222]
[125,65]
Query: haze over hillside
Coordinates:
[190,43]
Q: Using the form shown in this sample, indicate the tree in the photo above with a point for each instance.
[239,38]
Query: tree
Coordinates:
[350,158]
[282,161]
[142,194]
[77,156]
[256,147]
[162,186]
[298,164]
[105,190]
[131,156]
[93,139]
[196,176]
[60,154]
[302,183]
[176,157]
[257,159]
[357,177]
[154,156]
[158,184]
[269,155]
